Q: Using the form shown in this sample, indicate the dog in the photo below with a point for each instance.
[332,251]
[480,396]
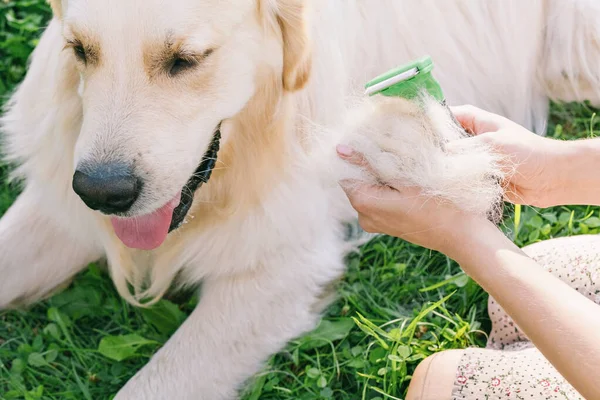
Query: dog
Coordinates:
[176,141]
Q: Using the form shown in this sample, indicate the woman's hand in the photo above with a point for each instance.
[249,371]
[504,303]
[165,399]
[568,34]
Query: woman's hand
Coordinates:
[403,212]
[536,165]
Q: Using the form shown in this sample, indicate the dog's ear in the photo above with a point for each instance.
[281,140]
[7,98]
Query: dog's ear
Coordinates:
[56,6]
[297,57]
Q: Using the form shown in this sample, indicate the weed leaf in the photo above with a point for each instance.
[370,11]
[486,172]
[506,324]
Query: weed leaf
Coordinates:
[122,347]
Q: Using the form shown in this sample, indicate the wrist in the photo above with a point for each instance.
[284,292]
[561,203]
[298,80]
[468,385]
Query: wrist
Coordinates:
[574,170]
[476,238]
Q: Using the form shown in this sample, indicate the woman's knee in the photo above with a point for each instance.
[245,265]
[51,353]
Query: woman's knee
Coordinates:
[434,377]
[579,244]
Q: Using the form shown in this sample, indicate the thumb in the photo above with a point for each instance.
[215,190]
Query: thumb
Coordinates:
[477,121]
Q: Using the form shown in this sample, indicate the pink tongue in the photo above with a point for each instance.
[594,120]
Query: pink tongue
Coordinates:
[146,232]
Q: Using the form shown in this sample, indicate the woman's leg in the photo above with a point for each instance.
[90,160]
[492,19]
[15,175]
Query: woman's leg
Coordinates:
[486,374]
[510,374]
[435,376]
[575,260]
[511,367]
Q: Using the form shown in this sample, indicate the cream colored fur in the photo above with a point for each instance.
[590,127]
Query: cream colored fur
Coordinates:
[406,144]
[266,235]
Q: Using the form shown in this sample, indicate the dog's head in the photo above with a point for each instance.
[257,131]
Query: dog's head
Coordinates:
[157,80]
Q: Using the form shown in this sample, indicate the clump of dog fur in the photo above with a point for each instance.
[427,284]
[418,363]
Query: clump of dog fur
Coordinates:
[405,143]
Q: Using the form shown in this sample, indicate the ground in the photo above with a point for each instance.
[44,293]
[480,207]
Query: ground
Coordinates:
[398,303]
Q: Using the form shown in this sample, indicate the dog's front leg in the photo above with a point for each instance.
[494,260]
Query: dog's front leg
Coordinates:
[39,249]
[240,321]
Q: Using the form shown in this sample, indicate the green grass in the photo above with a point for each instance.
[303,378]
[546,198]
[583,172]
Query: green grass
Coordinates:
[397,304]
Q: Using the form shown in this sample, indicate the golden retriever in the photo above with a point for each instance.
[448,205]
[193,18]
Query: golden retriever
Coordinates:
[128,106]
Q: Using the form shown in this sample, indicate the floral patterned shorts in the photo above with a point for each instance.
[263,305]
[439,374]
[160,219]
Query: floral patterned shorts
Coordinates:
[510,367]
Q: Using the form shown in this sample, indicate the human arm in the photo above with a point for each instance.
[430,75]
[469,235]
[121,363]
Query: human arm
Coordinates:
[563,324]
[579,173]
[549,172]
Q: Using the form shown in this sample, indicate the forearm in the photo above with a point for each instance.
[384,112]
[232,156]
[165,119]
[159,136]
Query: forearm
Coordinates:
[563,324]
[576,170]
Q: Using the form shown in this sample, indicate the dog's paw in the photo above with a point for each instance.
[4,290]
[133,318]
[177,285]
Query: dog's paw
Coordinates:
[405,143]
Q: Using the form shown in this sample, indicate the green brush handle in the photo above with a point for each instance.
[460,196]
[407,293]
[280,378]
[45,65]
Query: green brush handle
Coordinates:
[410,88]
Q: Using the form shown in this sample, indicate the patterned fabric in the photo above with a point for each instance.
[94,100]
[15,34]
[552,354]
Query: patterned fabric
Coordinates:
[510,367]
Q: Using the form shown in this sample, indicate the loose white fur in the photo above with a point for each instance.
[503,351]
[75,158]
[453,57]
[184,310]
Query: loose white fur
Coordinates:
[417,143]
[266,236]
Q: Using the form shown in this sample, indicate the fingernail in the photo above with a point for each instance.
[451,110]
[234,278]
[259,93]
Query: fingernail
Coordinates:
[345,151]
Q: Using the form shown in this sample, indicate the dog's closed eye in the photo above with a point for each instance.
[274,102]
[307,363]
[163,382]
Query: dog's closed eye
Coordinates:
[184,62]
[79,50]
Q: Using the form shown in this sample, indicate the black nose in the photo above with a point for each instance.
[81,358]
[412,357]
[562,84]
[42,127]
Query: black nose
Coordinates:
[109,188]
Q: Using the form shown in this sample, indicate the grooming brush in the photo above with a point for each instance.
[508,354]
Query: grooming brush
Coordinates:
[407,81]
[410,81]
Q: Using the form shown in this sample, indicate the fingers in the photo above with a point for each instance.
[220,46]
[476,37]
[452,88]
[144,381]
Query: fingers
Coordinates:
[477,121]
[369,202]
[365,197]
[467,117]
[362,193]
[354,157]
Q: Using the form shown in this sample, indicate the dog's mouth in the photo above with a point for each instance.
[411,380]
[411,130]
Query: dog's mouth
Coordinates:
[149,231]
[199,177]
